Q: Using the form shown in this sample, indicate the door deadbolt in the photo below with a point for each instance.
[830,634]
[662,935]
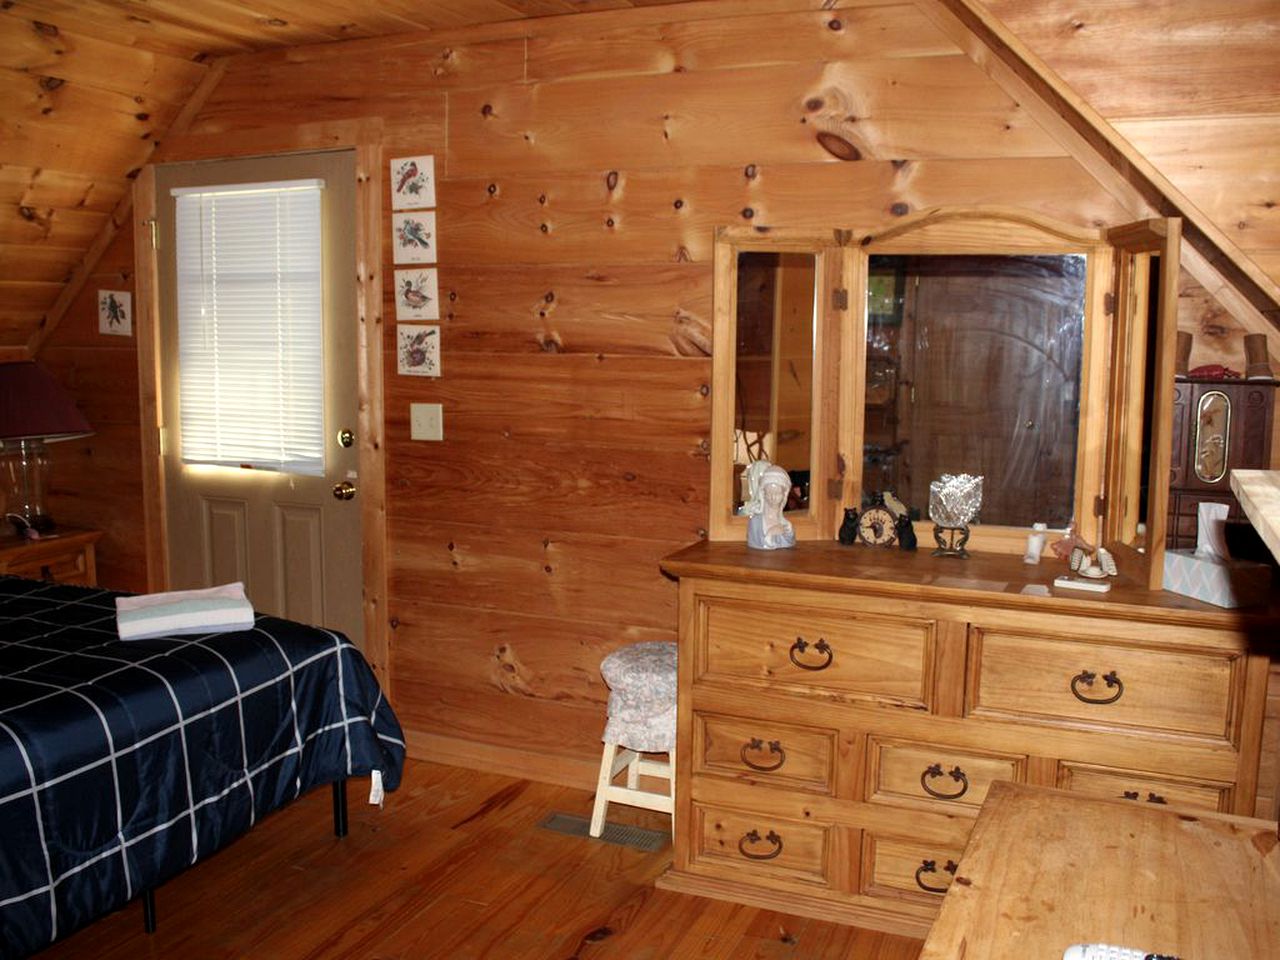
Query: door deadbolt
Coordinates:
[345,490]
[346,438]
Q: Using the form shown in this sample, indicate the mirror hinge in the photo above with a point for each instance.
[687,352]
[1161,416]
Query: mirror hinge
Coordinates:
[1109,303]
[1099,506]
[840,298]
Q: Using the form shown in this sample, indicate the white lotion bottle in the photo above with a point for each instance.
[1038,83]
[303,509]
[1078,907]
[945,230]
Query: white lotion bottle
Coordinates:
[1035,543]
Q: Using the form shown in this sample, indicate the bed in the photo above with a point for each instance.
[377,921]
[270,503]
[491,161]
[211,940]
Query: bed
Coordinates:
[124,762]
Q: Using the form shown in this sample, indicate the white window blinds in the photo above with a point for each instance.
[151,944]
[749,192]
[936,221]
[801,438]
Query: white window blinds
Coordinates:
[250,335]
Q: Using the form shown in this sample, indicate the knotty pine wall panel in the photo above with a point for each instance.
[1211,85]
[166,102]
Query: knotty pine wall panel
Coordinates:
[805,36]
[781,114]
[635,309]
[96,481]
[620,215]
[580,181]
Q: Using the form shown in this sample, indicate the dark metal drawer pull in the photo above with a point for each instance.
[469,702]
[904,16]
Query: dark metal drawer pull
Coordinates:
[775,746]
[753,836]
[1087,677]
[930,866]
[1152,796]
[801,645]
[956,774]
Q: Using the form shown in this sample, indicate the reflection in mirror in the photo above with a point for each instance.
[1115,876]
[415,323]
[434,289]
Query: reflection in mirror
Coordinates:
[973,366]
[773,388]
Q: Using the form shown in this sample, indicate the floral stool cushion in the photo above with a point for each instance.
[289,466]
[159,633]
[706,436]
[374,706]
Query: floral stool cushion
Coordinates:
[642,696]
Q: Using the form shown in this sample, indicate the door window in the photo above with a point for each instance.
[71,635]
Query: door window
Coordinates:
[250,325]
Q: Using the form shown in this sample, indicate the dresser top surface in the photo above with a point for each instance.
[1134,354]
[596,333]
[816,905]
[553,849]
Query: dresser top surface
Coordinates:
[988,579]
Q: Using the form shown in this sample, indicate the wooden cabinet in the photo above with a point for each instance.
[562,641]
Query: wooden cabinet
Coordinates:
[1218,426]
[845,710]
[67,557]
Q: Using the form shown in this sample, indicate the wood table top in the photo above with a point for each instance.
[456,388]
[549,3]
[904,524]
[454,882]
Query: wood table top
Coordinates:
[1045,869]
[1259,494]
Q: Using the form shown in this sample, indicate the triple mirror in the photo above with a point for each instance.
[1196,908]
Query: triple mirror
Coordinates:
[958,342]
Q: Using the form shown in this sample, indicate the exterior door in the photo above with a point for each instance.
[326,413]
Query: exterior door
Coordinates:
[288,537]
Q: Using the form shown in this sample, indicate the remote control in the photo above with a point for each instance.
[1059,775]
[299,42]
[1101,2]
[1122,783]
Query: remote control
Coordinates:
[1103,951]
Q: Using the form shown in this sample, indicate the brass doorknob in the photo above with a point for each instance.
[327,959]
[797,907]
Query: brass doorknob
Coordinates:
[344,490]
[346,438]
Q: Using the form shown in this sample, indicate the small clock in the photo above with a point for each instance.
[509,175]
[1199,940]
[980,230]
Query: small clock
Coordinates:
[876,524]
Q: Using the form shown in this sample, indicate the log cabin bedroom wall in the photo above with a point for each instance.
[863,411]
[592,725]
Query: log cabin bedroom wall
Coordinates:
[584,163]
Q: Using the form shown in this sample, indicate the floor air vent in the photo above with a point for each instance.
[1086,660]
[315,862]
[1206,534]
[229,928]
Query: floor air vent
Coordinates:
[639,838]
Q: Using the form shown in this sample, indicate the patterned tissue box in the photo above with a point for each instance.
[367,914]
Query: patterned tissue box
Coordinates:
[1229,583]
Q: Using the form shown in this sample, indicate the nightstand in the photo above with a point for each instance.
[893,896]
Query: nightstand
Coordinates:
[67,557]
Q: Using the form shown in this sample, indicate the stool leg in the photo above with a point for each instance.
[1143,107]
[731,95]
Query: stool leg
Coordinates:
[633,773]
[601,806]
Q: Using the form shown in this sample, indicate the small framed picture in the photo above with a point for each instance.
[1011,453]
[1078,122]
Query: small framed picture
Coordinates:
[418,349]
[417,294]
[115,312]
[413,182]
[413,236]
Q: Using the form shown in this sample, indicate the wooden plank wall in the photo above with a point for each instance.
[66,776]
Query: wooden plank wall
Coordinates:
[583,165]
[97,481]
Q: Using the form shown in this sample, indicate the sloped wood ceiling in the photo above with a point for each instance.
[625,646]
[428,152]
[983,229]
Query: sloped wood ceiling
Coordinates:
[91,86]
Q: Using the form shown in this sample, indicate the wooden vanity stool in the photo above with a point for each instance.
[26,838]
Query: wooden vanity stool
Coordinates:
[642,719]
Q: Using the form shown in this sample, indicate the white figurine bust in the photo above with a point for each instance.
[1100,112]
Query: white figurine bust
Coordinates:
[768,486]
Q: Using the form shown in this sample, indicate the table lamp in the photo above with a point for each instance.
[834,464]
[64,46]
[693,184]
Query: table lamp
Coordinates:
[34,410]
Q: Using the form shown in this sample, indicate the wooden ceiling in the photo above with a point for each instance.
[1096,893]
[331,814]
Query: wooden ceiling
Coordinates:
[90,86]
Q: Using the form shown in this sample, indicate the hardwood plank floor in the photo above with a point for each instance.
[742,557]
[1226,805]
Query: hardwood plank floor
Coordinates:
[455,866]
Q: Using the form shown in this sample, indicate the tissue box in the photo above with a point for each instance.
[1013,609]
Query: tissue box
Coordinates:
[1230,583]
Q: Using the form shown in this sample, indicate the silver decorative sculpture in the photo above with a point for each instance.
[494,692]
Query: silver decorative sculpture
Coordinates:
[954,501]
[767,489]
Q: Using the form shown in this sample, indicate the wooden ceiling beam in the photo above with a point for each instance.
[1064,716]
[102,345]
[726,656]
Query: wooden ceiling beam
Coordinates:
[84,269]
[1117,165]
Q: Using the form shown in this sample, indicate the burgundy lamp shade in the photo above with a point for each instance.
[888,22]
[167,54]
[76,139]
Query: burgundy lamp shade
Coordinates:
[34,410]
[34,406]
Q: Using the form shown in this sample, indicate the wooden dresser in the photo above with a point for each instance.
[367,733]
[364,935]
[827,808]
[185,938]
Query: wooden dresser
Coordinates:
[67,557]
[843,711]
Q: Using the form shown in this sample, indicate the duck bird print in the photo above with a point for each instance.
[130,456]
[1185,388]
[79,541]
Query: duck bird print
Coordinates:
[413,296]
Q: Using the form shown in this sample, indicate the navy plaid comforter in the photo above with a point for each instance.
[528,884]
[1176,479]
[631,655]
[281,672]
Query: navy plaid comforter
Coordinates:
[123,763]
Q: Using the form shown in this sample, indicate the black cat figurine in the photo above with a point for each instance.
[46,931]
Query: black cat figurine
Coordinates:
[906,532]
[849,528]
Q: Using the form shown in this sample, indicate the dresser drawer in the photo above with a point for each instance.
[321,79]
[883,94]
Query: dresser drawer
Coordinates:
[746,845]
[1103,684]
[765,751]
[1143,787]
[907,869]
[814,649]
[935,777]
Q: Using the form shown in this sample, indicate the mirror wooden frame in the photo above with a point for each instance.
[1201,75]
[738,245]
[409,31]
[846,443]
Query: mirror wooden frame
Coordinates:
[831,284]
[995,231]
[1106,397]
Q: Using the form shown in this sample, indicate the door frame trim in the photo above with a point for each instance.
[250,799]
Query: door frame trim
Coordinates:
[366,142]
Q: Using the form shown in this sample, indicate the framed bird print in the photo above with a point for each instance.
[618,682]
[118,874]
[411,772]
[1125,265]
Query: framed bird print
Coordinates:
[413,182]
[417,294]
[413,236]
[418,349]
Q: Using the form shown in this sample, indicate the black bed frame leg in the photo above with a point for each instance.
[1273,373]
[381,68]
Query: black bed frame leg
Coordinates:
[340,808]
[149,911]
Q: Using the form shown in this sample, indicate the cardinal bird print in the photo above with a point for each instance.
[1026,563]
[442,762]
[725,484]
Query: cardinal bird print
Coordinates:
[418,349]
[417,296]
[414,236]
[413,182]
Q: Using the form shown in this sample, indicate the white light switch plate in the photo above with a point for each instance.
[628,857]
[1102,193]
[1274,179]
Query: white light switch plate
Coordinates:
[426,421]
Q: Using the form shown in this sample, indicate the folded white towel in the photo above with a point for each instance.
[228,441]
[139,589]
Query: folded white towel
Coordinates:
[180,612]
